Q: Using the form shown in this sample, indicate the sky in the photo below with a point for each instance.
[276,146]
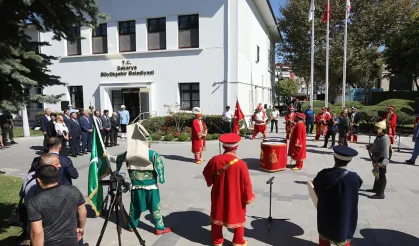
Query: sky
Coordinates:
[276,4]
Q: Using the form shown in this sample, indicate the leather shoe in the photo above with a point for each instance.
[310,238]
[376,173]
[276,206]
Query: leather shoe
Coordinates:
[370,190]
[73,155]
[376,196]
[85,153]
[410,162]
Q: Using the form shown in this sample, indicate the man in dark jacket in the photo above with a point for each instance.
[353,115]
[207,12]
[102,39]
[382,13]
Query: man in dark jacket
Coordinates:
[44,124]
[75,132]
[106,124]
[67,171]
[337,207]
[343,128]
[7,127]
[86,132]
[114,128]
[51,126]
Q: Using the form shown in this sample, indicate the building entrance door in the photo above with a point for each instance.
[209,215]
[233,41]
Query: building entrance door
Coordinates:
[132,103]
[136,101]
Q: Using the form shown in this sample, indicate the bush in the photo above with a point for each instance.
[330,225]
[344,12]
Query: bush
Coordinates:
[153,124]
[187,129]
[215,136]
[209,137]
[168,137]
[243,132]
[349,104]
[176,134]
[156,137]
[214,123]
[183,138]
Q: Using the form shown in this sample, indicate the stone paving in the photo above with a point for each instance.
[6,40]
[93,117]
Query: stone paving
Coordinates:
[186,199]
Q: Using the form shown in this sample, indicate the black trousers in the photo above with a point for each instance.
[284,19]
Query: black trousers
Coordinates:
[123,128]
[343,138]
[105,136]
[381,182]
[226,127]
[75,144]
[328,134]
[114,136]
[309,126]
[276,125]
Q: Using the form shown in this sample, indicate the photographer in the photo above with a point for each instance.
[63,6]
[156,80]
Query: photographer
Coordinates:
[332,124]
[145,194]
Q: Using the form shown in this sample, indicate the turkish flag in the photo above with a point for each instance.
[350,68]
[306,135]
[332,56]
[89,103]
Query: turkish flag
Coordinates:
[238,116]
[327,9]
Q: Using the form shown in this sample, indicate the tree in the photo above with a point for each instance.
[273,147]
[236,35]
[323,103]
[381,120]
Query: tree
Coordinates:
[402,51]
[21,66]
[286,88]
[370,24]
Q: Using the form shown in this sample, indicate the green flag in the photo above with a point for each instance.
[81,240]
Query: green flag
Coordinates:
[98,169]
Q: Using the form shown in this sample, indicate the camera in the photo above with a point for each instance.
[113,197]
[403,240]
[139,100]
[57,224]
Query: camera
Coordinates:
[116,181]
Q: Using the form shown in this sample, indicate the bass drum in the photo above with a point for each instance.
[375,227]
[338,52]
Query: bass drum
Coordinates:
[273,156]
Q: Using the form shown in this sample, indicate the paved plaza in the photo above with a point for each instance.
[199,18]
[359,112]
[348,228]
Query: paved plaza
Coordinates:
[186,198]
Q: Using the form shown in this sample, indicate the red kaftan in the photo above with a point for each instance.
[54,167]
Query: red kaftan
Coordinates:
[321,123]
[391,125]
[231,190]
[297,145]
[198,139]
[289,119]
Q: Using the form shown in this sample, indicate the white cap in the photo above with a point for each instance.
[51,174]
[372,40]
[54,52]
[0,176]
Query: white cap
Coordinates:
[196,110]
[70,105]
[122,106]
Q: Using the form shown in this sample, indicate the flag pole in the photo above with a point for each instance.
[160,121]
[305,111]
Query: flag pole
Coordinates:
[312,55]
[326,99]
[344,56]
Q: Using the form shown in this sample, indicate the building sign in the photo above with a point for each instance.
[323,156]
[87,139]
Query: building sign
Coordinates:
[127,69]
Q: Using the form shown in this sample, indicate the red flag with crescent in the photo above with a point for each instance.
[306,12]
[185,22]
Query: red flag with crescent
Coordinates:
[238,116]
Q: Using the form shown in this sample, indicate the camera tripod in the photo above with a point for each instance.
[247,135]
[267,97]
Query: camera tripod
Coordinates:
[270,219]
[116,205]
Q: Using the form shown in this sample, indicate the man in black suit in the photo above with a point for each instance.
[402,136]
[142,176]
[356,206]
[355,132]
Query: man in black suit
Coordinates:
[44,124]
[86,132]
[51,126]
[67,117]
[67,171]
[75,132]
[114,128]
[106,123]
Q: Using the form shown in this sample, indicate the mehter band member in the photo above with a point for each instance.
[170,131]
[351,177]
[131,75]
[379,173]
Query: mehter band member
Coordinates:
[289,121]
[354,120]
[231,191]
[321,123]
[297,144]
[337,205]
[391,120]
[380,155]
[145,193]
[259,117]
[199,133]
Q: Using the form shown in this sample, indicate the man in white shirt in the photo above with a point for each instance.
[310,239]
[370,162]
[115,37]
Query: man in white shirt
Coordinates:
[227,116]
[274,119]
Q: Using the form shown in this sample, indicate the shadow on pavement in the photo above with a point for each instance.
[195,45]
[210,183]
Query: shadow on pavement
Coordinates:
[189,225]
[319,152]
[384,237]
[282,233]
[178,158]
[5,210]
[39,149]
[301,182]
[252,163]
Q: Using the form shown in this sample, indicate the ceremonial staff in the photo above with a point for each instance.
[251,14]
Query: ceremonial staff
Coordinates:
[219,143]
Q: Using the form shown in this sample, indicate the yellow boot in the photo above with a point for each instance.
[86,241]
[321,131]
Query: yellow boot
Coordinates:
[235,244]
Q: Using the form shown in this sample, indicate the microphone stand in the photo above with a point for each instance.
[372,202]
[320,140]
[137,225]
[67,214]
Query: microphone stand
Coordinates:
[219,143]
[269,219]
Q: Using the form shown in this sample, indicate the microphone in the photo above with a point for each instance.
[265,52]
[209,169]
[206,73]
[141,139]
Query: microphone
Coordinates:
[270,180]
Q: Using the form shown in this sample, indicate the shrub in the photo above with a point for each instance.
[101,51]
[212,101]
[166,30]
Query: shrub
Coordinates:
[187,129]
[243,132]
[183,138]
[176,134]
[156,137]
[349,104]
[214,123]
[215,136]
[168,137]
[153,124]
[209,137]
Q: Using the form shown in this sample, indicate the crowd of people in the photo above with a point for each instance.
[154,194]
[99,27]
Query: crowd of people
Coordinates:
[75,127]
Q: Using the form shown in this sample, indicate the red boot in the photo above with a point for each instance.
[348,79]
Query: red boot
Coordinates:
[355,138]
[167,230]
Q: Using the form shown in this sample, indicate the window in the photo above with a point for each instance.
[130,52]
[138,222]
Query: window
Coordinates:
[100,39]
[74,48]
[189,95]
[76,96]
[257,53]
[189,31]
[127,36]
[157,34]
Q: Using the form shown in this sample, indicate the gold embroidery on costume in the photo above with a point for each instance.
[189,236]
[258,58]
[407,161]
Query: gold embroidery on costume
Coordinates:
[261,154]
[273,158]
[157,216]
[141,175]
[231,226]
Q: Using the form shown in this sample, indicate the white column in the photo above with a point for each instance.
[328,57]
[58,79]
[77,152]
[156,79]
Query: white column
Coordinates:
[86,42]
[113,38]
[172,32]
[232,42]
[25,122]
[141,34]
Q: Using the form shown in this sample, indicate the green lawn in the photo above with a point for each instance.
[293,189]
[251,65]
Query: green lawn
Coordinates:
[9,198]
[18,131]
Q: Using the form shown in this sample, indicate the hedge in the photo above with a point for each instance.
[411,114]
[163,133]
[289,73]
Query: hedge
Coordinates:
[168,138]
[378,97]
[183,138]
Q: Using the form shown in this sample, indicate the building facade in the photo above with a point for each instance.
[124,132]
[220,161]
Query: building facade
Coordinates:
[151,54]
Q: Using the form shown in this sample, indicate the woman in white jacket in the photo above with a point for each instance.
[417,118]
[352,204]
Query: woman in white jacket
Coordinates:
[62,132]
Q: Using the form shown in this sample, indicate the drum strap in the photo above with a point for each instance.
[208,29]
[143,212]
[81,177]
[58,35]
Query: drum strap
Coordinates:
[337,180]
[219,172]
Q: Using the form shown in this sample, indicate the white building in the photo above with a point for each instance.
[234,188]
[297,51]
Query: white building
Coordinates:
[162,52]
